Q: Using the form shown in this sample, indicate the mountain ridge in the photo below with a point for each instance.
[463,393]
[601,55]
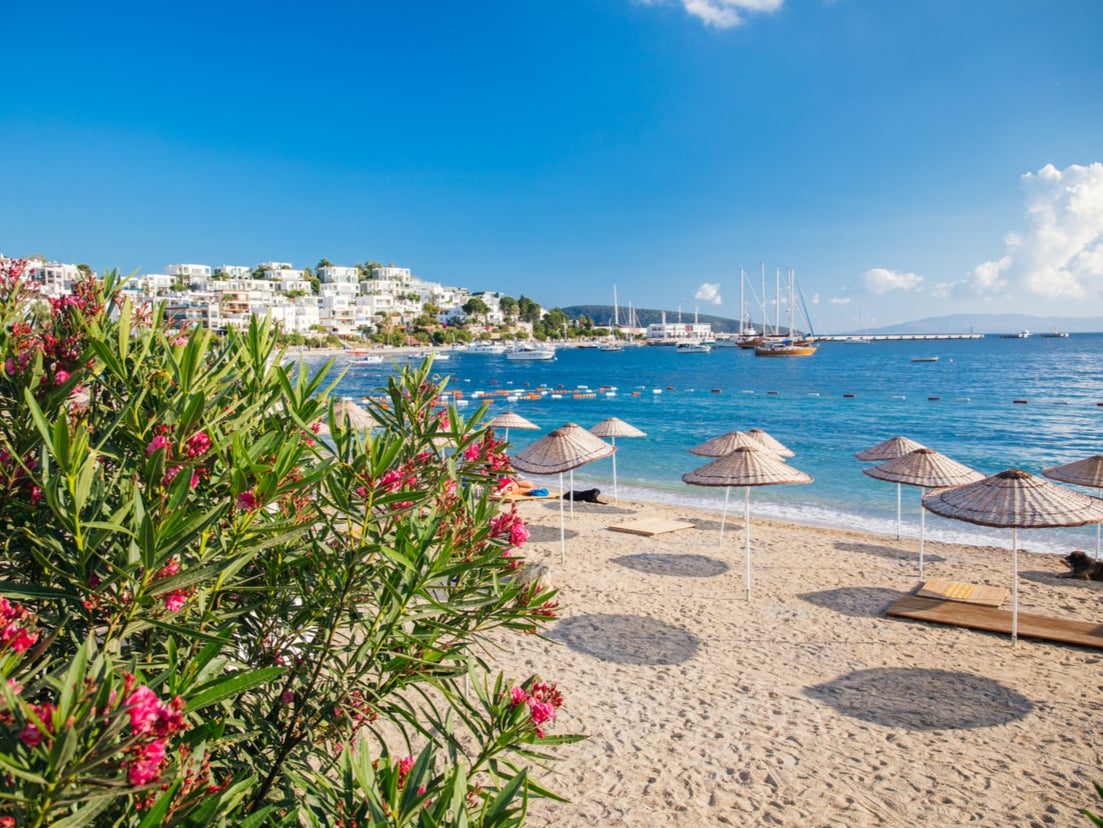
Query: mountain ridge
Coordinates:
[956,323]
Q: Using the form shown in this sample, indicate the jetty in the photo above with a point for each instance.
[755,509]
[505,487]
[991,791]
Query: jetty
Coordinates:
[895,337]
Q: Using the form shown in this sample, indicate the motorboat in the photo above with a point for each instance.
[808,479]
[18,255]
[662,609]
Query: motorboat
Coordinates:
[525,352]
[692,348]
[1023,334]
[483,347]
[610,346]
[924,359]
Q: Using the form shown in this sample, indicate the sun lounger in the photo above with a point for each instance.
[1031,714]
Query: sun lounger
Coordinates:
[513,497]
[652,526]
[976,617]
[986,596]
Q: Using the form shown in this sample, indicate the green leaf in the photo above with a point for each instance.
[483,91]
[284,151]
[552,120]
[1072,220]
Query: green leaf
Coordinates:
[232,686]
[35,592]
[85,815]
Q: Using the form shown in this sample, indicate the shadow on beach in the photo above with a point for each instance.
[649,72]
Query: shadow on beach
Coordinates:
[626,639]
[894,553]
[549,534]
[1054,579]
[672,563]
[917,698]
[860,602]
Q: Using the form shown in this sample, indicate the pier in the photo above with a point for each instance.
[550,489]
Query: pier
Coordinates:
[894,337]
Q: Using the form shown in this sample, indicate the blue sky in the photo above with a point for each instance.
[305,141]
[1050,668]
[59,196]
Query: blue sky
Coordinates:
[905,158]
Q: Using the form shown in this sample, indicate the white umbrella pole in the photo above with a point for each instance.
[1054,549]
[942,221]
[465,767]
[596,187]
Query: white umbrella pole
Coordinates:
[562,527]
[899,513]
[922,528]
[572,493]
[724,514]
[1014,587]
[614,442]
[747,535]
[1098,529]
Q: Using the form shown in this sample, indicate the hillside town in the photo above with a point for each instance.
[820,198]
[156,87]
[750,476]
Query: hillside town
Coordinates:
[337,304]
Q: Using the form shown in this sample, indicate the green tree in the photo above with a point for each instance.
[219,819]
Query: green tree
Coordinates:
[509,307]
[529,310]
[476,307]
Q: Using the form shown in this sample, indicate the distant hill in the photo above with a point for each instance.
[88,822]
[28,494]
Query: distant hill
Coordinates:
[959,323]
[603,317]
[995,323]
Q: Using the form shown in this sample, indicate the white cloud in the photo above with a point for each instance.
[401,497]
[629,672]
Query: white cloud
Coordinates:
[881,280]
[1060,254]
[839,300]
[709,292]
[724,14]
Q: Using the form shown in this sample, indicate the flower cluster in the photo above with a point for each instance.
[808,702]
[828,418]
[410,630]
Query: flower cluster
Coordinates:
[15,626]
[152,722]
[509,524]
[542,701]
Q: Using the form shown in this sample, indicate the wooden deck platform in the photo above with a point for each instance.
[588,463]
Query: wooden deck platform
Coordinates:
[652,526]
[976,617]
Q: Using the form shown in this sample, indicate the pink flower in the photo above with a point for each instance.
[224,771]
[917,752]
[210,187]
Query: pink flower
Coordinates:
[9,366]
[540,711]
[197,444]
[471,453]
[246,501]
[175,600]
[146,766]
[61,377]
[170,475]
[194,479]
[517,695]
[158,442]
[518,534]
[287,697]
[180,340]
[32,735]
[149,716]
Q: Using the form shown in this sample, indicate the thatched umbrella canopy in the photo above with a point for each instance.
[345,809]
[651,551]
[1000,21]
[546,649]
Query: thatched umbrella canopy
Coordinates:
[927,469]
[889,450]
[727,443]
[1086,472]
[613,427]
[1015,499]
[745,466]
[509,419]
[769,443]
[564,449]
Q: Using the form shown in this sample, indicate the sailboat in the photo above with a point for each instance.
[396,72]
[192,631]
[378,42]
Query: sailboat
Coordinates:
[789,346]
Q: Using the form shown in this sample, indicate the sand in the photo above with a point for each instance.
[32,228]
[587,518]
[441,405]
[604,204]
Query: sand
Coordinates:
[805,705]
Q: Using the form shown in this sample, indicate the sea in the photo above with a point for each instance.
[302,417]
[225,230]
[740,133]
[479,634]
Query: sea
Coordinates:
[990,403]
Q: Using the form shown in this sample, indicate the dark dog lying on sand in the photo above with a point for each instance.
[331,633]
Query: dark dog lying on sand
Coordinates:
[1083,567]
[584,496]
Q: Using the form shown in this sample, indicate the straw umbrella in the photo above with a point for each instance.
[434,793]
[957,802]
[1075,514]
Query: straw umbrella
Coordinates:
[1015,499]
[564,449]
[746,467]
[927,469]
[509,419]
[727,443]
[769,443]
[613,427]
[1086,472]
[889,450]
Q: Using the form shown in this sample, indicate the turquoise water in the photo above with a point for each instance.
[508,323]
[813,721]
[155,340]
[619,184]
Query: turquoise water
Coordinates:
[806,403]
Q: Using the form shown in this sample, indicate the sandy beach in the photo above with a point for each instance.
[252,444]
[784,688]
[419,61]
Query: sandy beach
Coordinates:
[806,705]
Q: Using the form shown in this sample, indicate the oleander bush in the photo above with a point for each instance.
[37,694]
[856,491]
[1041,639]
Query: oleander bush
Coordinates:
[214,615]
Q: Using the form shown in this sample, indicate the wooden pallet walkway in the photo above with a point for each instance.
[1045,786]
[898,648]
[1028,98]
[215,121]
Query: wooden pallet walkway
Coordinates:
[976,617]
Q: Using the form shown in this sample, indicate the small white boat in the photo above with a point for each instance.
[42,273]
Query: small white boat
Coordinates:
[925,359]
[525,352]
[692,348]
[1023,334]
[610,346]
[371,359]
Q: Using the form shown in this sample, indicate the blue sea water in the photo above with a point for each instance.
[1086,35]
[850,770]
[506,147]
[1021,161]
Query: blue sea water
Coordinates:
[825,408]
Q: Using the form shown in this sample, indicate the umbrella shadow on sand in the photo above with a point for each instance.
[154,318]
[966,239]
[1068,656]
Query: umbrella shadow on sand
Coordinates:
[547,534]
[893,553]
[627,639]
[918,698]
[858,602]
[675,564]
[1040,576]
